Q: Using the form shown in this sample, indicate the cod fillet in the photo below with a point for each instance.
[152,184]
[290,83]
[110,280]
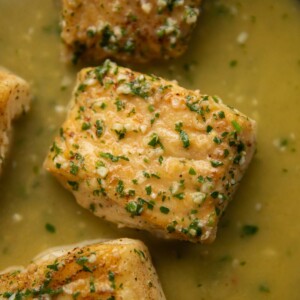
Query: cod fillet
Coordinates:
[14,100]
[146,153]
[135,31]
[114,270]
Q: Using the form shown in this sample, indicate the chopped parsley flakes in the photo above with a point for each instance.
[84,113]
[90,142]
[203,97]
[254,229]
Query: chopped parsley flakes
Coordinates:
[113,158]
[182,134]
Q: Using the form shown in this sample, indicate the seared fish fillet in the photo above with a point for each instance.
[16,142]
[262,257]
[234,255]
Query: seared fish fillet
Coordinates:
[115,270]
[135,31]
[14,100]
[146,153]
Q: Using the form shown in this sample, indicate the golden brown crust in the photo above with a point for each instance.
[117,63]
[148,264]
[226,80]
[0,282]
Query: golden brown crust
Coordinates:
[145,153]
[119,270]
[14,100]
[135,31]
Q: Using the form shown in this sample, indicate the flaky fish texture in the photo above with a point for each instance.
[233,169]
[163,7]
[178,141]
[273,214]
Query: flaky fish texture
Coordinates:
[14,100]
[146,153]
[116,270]
[135,31]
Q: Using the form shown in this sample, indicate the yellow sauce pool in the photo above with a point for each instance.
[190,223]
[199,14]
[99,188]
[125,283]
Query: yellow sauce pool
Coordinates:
[248,53]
